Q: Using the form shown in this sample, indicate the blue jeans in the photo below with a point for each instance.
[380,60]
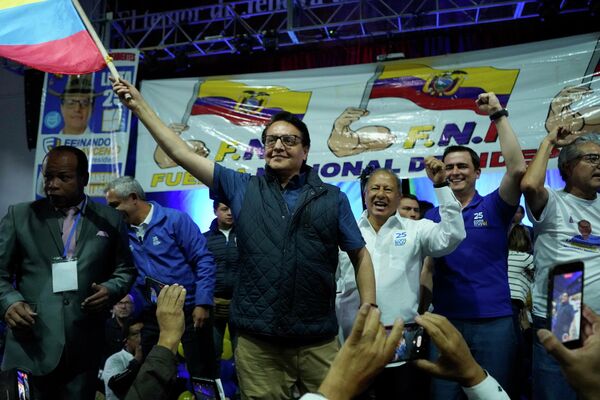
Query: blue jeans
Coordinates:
[493,343]
[548,381]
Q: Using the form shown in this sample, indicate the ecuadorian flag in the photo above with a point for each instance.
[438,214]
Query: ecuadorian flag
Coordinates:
[437,89]
[47,35]
[248,105]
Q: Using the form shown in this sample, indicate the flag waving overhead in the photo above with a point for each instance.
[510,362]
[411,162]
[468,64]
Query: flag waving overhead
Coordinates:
[247,105]
[47,35]
[437,89]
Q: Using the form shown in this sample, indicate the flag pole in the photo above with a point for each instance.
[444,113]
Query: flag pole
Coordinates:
[96,39]
[99,44]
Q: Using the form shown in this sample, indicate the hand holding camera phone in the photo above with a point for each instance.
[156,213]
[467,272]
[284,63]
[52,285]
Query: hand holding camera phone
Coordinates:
[413,345]
[565,300]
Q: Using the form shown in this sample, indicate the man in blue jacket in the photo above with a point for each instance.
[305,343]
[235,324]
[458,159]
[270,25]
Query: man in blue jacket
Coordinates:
[169,247]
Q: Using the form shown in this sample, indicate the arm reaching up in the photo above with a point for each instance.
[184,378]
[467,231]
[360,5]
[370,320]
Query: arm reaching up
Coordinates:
[156,376]
[168,140]
[510,189]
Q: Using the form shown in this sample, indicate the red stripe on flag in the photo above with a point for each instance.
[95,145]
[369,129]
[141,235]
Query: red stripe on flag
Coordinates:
[426,100]
[232,116]
[76,54]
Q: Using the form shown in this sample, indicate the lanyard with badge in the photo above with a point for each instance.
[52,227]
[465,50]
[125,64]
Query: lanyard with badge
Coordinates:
[64,269]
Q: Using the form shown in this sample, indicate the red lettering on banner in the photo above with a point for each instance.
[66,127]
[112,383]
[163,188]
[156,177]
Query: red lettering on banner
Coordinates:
[123,56]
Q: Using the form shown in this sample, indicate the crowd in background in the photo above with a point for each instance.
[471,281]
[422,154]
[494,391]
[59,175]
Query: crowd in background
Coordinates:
[288,275]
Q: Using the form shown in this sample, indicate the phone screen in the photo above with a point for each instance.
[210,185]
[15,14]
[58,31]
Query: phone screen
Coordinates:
[153,288]
[22,385]
[207,389]
[413,345]
[567,295]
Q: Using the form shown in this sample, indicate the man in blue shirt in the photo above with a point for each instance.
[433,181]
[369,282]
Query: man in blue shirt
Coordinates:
[169,247]
[289,226]
[470,285]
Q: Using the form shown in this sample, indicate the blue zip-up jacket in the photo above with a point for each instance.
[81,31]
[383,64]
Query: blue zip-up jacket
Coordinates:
[174,251]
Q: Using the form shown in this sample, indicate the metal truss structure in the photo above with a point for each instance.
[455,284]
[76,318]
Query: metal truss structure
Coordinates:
[246,26]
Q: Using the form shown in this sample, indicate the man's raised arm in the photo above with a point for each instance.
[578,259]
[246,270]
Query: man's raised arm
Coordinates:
[510,190]
[175,147]
[532,184]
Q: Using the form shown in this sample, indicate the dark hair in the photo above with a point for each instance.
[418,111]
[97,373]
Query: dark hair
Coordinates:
[132,320]
[457,149]
[290,118]
[82,161]
[519,240]
[410,196]
[216,204]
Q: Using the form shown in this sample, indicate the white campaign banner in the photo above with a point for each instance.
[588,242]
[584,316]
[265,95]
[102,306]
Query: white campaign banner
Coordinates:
[391,114]
[82,111]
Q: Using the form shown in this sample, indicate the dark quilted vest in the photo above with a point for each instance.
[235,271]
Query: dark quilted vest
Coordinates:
[226,257]
[286,285]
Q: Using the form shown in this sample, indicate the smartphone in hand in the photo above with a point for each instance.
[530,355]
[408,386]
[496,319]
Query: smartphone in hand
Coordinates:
[565,300]
[413,345]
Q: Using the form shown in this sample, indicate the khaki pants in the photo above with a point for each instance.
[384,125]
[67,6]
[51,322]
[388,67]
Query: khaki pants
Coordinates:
[267,371]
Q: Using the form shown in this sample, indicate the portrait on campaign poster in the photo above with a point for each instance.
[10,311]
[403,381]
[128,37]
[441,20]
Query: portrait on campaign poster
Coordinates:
[82,111]
[81,104]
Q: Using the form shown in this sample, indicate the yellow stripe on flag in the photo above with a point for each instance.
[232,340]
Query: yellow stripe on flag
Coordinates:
[4,4]
[278,96]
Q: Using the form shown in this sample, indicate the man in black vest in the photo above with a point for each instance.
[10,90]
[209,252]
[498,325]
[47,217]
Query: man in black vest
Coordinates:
[289,226]
[222,243]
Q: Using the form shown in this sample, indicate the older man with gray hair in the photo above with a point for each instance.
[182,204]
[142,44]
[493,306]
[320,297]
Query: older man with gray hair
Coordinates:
[555,215]
[168,247]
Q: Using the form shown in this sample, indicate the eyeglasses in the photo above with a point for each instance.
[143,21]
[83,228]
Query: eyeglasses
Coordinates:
[124,303]
[72,103]
[286,140]
[593,159]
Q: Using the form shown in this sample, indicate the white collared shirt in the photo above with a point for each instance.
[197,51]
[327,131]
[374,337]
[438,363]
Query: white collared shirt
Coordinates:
[140,230]
[397,252]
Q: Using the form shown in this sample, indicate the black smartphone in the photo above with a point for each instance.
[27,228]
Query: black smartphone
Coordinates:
[153,288]
[413,345]
[207,389]
[23,385]
[565,298]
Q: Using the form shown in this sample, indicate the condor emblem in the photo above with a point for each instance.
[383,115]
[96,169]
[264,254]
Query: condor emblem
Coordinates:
[444,84]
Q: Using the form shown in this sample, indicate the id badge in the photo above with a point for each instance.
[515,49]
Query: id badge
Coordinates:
[64,274]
